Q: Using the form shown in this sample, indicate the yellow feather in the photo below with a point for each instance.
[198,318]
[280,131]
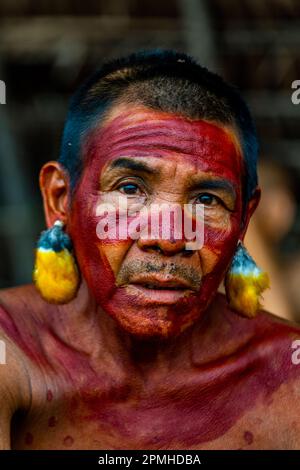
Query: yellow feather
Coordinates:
[244,292]
[55,275]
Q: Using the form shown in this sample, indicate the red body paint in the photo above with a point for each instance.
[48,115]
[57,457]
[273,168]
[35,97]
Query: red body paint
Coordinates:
[230,371]
[68,441]
[52,422]
[207,400]
[248,436]
[28,439]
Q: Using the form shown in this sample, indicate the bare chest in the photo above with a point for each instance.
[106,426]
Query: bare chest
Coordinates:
[181,415]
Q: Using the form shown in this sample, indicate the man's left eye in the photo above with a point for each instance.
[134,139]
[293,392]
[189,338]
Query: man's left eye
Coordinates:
[207,199]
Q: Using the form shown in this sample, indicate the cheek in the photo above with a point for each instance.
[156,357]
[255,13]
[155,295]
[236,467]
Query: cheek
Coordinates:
[209,259]
[99,260]
[219,245]
[93,266]
[114,253]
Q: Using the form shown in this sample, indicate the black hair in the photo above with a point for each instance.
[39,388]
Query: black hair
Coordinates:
[163,80]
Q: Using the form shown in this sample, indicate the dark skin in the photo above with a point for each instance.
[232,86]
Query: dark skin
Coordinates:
[84,376]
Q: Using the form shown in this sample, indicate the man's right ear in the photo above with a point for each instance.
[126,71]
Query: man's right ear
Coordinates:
[55,188]
[55,273]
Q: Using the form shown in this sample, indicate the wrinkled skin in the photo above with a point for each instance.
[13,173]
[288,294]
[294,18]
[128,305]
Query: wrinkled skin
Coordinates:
[125,366]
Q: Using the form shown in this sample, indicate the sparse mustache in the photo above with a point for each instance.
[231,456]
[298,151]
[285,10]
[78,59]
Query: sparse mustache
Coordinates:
[135,267]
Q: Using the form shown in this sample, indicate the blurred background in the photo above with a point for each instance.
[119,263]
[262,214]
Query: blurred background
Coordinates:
[48,47]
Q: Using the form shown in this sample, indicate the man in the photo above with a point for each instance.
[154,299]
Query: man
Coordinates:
[144,353]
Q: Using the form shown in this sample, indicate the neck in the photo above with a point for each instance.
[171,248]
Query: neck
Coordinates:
[86,328]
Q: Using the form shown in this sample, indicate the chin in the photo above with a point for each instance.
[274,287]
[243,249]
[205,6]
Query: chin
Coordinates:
[154,322]
[142,328]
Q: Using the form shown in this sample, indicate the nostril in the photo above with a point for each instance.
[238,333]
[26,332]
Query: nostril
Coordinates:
[162,246]
[153,248]
[187,253]
[156,248]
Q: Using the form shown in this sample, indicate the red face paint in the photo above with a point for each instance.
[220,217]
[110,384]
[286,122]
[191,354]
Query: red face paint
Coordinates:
[205,148]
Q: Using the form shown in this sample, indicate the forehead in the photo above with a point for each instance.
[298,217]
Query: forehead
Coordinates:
[141,132]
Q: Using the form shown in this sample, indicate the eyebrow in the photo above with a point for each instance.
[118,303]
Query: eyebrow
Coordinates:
[134,165]
[215,184]
[130,164]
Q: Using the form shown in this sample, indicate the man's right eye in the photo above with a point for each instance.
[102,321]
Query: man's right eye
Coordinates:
[129,188]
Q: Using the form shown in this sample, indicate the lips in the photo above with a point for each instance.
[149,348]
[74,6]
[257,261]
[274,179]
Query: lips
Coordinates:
[158,289]
[158,286]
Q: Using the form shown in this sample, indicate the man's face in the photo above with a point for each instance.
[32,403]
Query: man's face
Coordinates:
[155,287]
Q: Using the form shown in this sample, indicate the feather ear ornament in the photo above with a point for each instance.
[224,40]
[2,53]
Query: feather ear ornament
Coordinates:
[245,283]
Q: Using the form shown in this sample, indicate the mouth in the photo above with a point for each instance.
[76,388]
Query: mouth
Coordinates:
[159,290]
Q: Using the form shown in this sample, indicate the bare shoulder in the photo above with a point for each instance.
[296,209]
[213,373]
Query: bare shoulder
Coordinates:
[286,401]
[14,375]
[268,350]
[21,318]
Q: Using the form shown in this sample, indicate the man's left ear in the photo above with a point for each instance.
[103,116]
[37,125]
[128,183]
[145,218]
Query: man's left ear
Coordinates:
[244,280]
[249,211]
